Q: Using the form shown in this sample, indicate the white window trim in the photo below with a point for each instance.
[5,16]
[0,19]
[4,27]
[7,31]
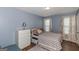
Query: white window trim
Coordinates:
[50,26]
[66,26]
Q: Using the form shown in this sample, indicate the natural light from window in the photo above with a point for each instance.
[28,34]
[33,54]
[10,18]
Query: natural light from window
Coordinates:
[66,25]
[47,25]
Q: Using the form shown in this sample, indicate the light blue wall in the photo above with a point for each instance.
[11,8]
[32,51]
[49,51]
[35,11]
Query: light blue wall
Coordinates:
[10,19]
[56,21]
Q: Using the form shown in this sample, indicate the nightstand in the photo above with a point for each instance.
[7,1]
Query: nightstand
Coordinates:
[35,39]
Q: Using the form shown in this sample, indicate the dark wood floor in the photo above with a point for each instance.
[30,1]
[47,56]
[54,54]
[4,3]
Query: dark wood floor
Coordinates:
[69,46]
[29,47]
[66,45]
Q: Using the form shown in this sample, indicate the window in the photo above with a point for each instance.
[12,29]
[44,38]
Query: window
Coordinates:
[66,25]
[47,25]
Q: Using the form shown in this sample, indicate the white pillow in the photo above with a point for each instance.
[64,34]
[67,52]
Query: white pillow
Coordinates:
[39,31]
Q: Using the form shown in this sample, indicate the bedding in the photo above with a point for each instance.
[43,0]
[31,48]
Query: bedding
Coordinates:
[37,48]
[50,41]
[37,31]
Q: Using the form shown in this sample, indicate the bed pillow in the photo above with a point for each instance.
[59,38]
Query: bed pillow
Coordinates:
[39,31]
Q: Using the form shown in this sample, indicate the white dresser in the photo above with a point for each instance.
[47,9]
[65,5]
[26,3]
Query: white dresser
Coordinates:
[24,38]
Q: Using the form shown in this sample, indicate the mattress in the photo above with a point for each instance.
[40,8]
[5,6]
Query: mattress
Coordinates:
[50,41]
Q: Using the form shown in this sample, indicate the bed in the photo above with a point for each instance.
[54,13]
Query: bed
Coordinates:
[50,41]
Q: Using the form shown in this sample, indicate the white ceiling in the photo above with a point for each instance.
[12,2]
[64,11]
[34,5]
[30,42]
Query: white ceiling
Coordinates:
[52,11]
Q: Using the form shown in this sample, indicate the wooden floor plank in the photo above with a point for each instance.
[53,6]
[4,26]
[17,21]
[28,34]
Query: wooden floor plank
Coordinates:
[66,45]
[69,46]
[29,47]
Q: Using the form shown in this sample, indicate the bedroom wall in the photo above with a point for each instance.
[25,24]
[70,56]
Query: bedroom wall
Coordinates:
[10,19]
[56,21]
